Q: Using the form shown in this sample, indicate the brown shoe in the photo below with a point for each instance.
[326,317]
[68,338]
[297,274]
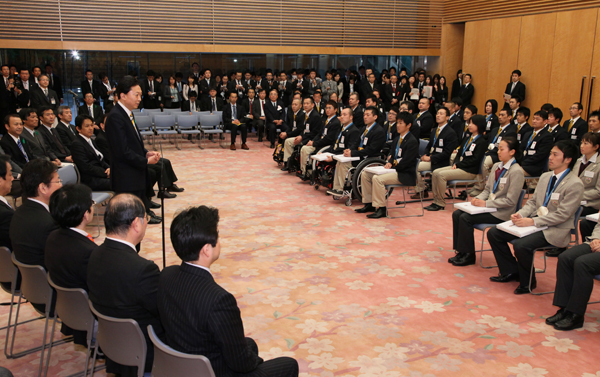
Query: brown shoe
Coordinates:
[244,146]
[417,196]
[232,147]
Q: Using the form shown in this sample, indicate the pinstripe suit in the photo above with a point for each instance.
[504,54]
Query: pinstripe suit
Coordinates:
[202,318]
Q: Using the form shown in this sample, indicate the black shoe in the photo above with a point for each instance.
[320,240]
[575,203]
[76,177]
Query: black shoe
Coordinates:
[560,315]
[334,192]
[521,290]
[381,212]
[260,139]
[154,221]
[285,168]
[154,215]
[467,260]
[555,252]
[305,177]
[417,196]
[463,195]
[434,207]
[166,195]
[272,145]
[153,205]
[505,278]
[175,188]
[367,208]
[570,322]
[456,257]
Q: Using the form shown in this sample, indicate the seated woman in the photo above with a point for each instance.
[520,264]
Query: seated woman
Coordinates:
[466,163]
[501,191]
[588,169]
[491,119]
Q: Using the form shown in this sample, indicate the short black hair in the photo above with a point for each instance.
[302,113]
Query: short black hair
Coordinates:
[372,97]
[120,213]
[409,105]
[332,103]
[517,98]
[579,105]
[472,108]
[569,150]
[86,71]
[178,75]
[457,101]
[541,113]
[373,111]
[7,118]
[35,172]
[446,110]
[124,86]
[557,113]
[43,109]
[69,204]
[405,117]
[594,114]
[193,228]
[547,107]
[479,121]
[26,112]
[192,94]
[525,111]
[310,99]
[517,72]
[150,73]
[80,118]
[4,159]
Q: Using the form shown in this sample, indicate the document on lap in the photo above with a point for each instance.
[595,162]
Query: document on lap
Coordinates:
[321,156]
[379,170]
[519,231]
[342,158]
[593,217]
[473,210]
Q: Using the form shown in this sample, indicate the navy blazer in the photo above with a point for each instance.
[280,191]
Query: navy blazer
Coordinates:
[442,149]
[348,138]
[372,142]
[407,159]
[536,155]
[30,226]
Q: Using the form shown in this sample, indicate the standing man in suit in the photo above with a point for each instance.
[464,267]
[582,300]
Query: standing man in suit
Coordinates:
[514,88]
[43,95]
[33,137]
[150,91]
[32,222]
[55,83]
[268,83]
[7,98]
[121,283]
[467,91]
[234,118]
[249,82]
[212,102]
[66,131]
[199,316]
[129,158]
[94,171]
[457,84]
[89,85]
[285,89]
[13,143]
[402,157]
[274,116]
[51,136]
[553,205]
[196,72]
[6,210]
[576,126]
[236,86]
[107,93]
[206,84]
[423,123]
[90,108]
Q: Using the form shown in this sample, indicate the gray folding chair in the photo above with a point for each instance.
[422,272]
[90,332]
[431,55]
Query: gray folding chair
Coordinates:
[35,288]
[171,363]
[464,182]
[151,111]
[390,189]
[121,340]
[144,124]
[100,198]
[68,174]
[209,125]
[165,125]
[73,309]
[188,125]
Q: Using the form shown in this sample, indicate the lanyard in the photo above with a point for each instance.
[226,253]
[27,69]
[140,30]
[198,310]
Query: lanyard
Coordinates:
[398,146]
[530,139]
[498,180]
[362,138]
[467,146]
[498,134]
[389,131]
[326,123]
[342,131]
[548,192]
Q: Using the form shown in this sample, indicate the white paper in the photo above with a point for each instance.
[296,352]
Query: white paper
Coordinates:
[341,158]
[593,217]
[519,231]
[321,156]
[427,91]
[379,170]
[414,93]
[473,210]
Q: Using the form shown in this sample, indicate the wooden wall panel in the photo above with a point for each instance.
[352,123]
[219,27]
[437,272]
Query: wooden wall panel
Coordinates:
[453,40]
[594,103]
[476,58]
[503,59]
[535,57]
[572,55]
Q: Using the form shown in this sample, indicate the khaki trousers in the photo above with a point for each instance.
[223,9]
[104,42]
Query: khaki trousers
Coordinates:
[481,180]
[304,153]
[373,187]
[341,169]
[288,148]
[439,182]
[423,166]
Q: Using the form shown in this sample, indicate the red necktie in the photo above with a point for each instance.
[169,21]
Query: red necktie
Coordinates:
[498,173]
[89,236]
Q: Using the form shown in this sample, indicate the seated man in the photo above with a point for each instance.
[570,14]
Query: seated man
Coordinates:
[13,143]
[275,116]
[234,117]
[466,164]
[576,126]
[588,169]
[121,283]
[294,122]
[423,121]
[64,128]
[199,316]
[6,210]
[575,273]
[370,145]
[90,108]
[536,146]
[558,133]
[258,114]
[389,126]
[94,171]
[68,248]
[442,142]
[326,137]
[34,139]
[192,105]
[523,127]
[212,102]
[50,135]
[594,121]
[372,101]
[311,128]
[552,205]
[402,157]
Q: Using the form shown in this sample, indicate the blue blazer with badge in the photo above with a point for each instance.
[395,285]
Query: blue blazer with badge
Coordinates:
[371,143]
[440,148]
[406,160]
[536,152]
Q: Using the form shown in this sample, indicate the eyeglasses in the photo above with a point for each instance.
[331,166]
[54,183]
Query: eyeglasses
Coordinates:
[59,181]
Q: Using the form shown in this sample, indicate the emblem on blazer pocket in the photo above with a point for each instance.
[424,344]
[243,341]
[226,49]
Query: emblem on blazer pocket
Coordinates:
[554,203]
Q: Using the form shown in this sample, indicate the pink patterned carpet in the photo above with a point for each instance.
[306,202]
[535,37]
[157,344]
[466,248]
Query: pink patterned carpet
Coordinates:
[350,296]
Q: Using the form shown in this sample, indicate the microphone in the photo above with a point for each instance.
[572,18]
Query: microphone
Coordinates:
[72,93]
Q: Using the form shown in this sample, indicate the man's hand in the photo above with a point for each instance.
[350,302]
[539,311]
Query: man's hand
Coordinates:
[69,158]
[283,135]
[454,167]
[329,159]
[310,143]
[425,158]
[478,202]
[57,162]
[347,153]
[278,122]
[152,160]
[250,116]
[523,222]
[297,140]
[107,171]
[595,245]
[515,216]
[236,122]
[387,166]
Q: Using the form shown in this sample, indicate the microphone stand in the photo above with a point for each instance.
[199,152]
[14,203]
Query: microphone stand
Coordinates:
[162,189]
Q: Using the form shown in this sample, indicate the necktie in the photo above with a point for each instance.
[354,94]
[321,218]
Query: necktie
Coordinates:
[91,111]
[437,133]
[513,87]
[51,81]
[251,101]
[570,125]
[274,104]
[466,127]
[46,92]
[305,117]
[22,149]
[518,128]
[89,236]
[98,153]
[582,167]
[418,115]
[552,183]
[234,112]
[262,106]
[151,87]
[57,141]
[134,126]
[498,173]
[214,106]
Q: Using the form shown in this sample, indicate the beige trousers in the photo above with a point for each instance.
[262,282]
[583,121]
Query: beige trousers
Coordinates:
[481,180]
[304,153]
[423,166]
[373,187]
[288,148]
[439,182]
[341,169]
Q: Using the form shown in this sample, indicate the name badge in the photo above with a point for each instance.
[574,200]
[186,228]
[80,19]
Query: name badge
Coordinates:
[441,142]
[342,139]
[400,152]
[489,125]
[574,131]
[393,94]
[365,142]
[390,136]
[583,202]
[588,173]
[468,153]
[499,140]
[341,145]
[325,132]
[491,146]
[419,123]
[519,137]
[530,152]
[53,101]
[439,150]
[472,147]
[503,180]
[574,137]
[555,196]
[533,144]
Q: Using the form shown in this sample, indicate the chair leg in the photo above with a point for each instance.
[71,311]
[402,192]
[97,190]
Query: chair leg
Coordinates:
[482,250]
[531,276]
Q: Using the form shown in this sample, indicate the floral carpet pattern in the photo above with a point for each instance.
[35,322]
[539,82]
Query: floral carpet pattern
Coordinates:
[346,295]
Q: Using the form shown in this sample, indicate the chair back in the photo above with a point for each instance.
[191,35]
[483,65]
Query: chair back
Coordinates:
[144,123]
[209,120]
[575,230]
[68,174]
[171,363]
[8,271]
[520,201]
[151,110]
[140,114]
[121,340]
[72,307]
[186,121]
[164,121]
[422,146]
[417,168]
[34,284]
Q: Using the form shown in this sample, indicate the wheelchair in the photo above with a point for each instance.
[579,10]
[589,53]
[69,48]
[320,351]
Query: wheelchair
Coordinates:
[352,185]
[320,172]
[293,162]
[278,154]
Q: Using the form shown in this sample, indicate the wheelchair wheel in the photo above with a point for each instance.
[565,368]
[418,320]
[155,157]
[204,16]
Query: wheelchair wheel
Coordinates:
[316,187]
[356,183]
[314,162]
[348,202]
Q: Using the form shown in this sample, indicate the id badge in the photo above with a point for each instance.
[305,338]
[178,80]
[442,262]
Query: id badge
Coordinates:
[468,153]
[366,140]
[439,150]
[341,145]
[342,139]
[533,144]
[325,132]
[441,142]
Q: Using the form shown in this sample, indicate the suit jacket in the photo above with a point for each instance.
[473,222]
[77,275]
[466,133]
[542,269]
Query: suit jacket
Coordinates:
[23,99]
[536,155]
[455,122]
[466,94]
[494,139]
[507,191]
[591,183]
[231,88]
[295,123]
[312,126]
[67,133]
[470,160]
[249,109]
[348,138]
[204,87]
[16,169]
[459,129]
[578,130]
[129,164]
[491,122]
[256,111]
[285,92]
[56,85]
[206,103]
[406,159]
[6,215]
[358,117]
[371,143]
[456,88]
[102,145]
[521,131]
[228,114]
[38,99]
[273,113]
[266,86]
[29,229]
[11,148]
[95,89]
[391,131]
[122,284]
[52,140]
[320,109]
[91,168]
[519,90]
[185,105]
[327,134]
[151,101]
[561,211]
[424,123]
[202,318]
[249,85]
[559,133]
[67,256]
[96,112]
[442,148]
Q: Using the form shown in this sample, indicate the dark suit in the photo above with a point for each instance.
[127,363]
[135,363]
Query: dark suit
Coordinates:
[231,88]
[494,138]
[23,99]
[52,140]
[358,117]
[285,92]
[536,152]
[11,148]
[521,131]
[391,131]
[67,256]
[228,119]
[268,86]
[491,122]
[94,88]
[96,111]
[559,133]
[6,215]
[456,123]
[295,123]
[470,162]
[206,104]
[461,129]
[91,168]
[56,85]
[328,134]
[423,124]
[576,132]
[204,87]
[273,113]
[312,126]
[348,138]
[258,123]
[122,284]
[442,146]
[456,88]
[202,318]
[370,144]
[67,133]
[518,91]
[466,94]
[30,226]
[151,101]
[102,145]
[250,84]
[186,106]
[38,99]
[108,104]
[407,160]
